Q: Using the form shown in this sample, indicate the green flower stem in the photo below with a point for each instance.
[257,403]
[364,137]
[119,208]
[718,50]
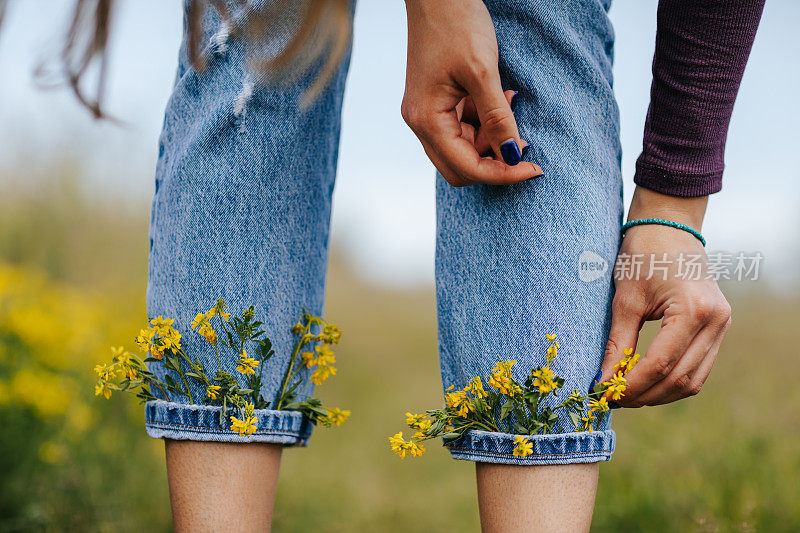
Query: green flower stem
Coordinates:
[296,350]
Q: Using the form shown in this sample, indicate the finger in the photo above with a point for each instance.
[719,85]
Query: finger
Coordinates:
[627,317]
[689,375]
[668,347]
[437,124]
[451,176]
[461,156]
[469,113]
[496,117]
[482,143]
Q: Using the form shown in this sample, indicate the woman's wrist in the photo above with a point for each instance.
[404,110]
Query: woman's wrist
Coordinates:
[650,204]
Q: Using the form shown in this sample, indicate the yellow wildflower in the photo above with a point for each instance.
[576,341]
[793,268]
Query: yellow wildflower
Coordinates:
[144,339]
[627,363]
[243,427]
[331,334]
[208,332]
[399,445]
[298,328]
[616,386]
[475,386]
[599,406]
[416,448]
[458,400]
[246,365]
[523,447]
[544,380]
[104,371]
[307,358]
[413,420]
[321,373]
[325,355]
[587,421]
[248,425]
[337,416]
[199,319]
[102,389]
[212,391]
[501,378]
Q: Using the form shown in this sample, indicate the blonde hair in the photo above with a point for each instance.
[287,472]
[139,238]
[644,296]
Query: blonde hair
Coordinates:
[322,33]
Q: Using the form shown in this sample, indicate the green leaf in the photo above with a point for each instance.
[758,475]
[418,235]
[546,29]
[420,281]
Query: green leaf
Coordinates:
[506,410]
[520,429]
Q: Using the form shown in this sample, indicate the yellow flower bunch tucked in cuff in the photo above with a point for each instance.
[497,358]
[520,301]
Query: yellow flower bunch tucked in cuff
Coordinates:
[242,392]
[520,408]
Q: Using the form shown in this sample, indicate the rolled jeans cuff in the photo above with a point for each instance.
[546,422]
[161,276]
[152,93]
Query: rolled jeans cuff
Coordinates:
[201,423]
[551,449]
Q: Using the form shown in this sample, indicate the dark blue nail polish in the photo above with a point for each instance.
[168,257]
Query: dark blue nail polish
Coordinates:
[513,102]
[510,152]
[614,405]
[525,150]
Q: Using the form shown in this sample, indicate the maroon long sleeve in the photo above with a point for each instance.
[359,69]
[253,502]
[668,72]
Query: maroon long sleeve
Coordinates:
[702,47]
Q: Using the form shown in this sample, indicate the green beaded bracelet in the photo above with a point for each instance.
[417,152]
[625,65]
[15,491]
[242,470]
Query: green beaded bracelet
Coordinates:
[631,223]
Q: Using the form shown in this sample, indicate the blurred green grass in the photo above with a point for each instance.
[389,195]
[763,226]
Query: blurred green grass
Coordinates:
[725,460]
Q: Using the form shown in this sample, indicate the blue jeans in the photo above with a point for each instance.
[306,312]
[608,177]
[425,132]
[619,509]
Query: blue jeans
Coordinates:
[242,209]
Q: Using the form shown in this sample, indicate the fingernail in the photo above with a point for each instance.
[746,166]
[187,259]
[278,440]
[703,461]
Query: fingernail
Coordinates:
[510,152]
[513,102]
[525,150]
[613,405]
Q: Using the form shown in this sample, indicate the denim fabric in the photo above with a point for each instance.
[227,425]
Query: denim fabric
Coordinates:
[507,258]
[241,211]
[242,207]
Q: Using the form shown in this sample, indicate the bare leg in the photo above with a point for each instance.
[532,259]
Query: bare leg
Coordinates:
[536,498]
[222,486]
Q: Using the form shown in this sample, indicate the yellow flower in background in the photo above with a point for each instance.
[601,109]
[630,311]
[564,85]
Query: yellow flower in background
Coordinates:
[321,373]
[475,386]
[337,416]
[299,327]
[103,371]
[102,389]
[523,447]
[246,365]
[616,386]
[544,380]
[212,391]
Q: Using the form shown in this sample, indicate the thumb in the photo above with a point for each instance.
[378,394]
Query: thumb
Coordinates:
[497,120]
[626,322]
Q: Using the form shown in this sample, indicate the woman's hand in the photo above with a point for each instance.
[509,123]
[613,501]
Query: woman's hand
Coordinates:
[454,102]
[695,314]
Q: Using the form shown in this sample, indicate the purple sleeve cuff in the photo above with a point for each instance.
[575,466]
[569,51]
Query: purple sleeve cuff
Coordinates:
[702,47]
[675,183]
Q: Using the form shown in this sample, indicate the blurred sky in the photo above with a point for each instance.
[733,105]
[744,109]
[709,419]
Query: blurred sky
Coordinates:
[383,206]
